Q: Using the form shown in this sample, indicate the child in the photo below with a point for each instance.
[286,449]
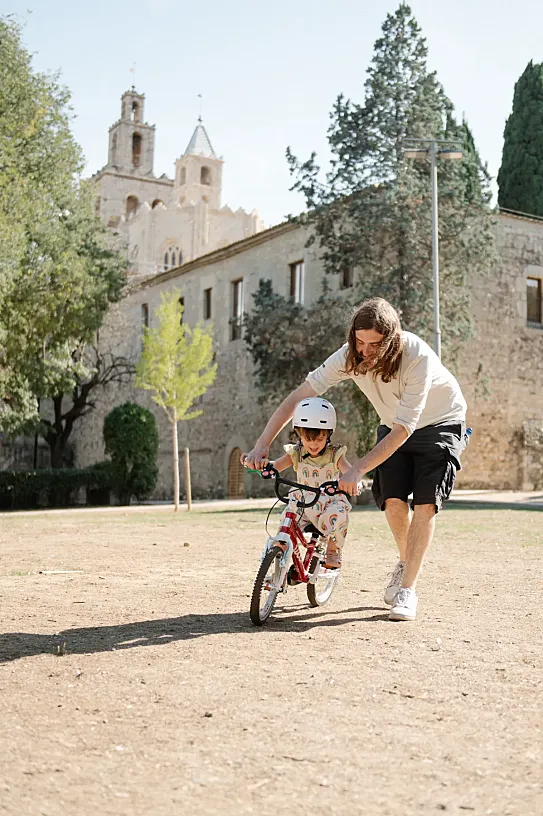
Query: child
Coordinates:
[316,460]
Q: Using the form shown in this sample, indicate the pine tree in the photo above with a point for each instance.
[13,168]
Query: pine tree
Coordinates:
[373,212]
[520,180]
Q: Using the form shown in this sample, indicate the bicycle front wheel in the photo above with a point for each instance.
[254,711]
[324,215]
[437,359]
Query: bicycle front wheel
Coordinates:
[319,593]
[266,587]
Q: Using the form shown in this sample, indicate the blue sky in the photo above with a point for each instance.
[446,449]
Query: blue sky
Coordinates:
[268,73]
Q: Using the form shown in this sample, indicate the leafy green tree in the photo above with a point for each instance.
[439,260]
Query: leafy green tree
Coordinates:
[520,180]
[286,341]
[176,365]
[372,212]
[131,440]
[58,271]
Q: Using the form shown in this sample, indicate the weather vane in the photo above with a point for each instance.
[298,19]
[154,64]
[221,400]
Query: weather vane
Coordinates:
[133,72]
[200,97]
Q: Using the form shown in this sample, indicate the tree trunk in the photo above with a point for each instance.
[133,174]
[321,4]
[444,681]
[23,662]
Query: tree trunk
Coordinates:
[175,462]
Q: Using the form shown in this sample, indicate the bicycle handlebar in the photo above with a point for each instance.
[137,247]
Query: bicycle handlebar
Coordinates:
[330,488]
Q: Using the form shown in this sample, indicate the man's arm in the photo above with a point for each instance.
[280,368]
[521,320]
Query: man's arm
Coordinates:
[376,456]
[260,454]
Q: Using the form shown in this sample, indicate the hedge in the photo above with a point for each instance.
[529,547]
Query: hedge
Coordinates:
[32,489]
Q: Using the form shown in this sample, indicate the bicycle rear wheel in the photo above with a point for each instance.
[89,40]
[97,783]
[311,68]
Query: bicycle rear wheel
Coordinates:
[266,587]
[319,593]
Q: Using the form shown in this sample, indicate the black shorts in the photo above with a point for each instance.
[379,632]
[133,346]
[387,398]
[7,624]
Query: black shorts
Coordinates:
[424,466]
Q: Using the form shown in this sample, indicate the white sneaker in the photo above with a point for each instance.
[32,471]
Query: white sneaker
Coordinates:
[405,605]
[395,584]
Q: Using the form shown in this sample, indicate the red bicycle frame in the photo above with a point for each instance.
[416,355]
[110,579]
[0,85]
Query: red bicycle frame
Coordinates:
[292,528]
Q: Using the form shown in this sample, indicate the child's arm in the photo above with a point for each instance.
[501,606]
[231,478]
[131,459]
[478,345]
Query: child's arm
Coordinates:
[283,463]
[343,465]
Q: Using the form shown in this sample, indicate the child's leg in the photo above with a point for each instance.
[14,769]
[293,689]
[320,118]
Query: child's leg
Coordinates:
[333,523]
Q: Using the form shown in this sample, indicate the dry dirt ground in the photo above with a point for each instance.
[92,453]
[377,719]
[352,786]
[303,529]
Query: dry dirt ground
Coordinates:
[132,682]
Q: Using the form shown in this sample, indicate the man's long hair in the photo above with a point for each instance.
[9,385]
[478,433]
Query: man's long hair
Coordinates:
[379,315]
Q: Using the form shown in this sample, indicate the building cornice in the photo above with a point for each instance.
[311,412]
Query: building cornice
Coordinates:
[101,173]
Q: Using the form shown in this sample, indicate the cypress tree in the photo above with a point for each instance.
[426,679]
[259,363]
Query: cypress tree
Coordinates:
[520,180]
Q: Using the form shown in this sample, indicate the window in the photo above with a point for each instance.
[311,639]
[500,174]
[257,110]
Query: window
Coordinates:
[237,309]
[182,175]
[166,261]
[205,175]
[297,275]
[156,202]
[347,277]
[534,300]
[135,112]
[113,147]
[136,149]
[182,304]
[145,315]
[207,304]
[132,205]
[174,258]
[97,204]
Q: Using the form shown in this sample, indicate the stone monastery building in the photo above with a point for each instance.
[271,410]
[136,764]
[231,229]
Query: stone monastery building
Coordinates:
[165,222]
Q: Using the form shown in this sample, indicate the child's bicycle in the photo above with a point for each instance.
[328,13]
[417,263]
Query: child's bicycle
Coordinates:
[282,563]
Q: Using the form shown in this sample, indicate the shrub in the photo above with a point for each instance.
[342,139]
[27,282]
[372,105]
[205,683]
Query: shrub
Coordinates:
[31,489]
[131,439]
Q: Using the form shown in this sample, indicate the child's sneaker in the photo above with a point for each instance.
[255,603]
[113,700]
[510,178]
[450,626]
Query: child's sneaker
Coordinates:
[405,605]
[333,556]
[395,584]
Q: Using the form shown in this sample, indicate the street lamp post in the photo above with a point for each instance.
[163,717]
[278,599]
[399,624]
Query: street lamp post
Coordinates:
[432,149]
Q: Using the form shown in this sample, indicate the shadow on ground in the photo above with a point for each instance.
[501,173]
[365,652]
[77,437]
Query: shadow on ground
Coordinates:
[89,640]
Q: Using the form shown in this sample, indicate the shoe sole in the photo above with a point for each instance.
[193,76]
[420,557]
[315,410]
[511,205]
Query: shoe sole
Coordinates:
[401,616]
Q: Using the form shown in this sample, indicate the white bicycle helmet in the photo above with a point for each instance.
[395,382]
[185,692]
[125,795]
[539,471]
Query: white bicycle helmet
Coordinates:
[315,412]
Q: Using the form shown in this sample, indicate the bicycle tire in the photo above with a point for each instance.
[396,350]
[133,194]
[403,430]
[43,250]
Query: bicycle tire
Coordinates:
[314,596]
[257,615]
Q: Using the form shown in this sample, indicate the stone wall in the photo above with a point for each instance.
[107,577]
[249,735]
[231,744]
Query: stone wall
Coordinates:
[502,371]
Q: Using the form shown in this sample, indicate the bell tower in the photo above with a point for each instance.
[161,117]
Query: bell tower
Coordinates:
[131,140]
[198,173]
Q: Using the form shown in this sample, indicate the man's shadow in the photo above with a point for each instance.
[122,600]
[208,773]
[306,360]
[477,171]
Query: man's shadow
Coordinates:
[91,639]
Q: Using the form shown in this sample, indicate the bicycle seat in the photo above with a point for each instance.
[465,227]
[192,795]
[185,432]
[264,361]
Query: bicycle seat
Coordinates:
[310,528]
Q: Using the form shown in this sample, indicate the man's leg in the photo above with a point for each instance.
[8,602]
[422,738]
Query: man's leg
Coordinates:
[421,531]
[398,515]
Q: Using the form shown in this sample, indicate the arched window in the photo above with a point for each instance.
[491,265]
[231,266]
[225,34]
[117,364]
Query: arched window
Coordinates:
[166,260]
[205,175]
[135,112]
[173,258]
[136,149]
[132,205]
[180,258]
[183,175]
[236,472]
[156,202]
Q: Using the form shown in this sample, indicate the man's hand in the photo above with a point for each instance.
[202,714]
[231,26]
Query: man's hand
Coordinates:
[350,480]
[257,458]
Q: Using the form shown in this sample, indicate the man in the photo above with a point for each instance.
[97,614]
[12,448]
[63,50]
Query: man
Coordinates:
[419,441]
